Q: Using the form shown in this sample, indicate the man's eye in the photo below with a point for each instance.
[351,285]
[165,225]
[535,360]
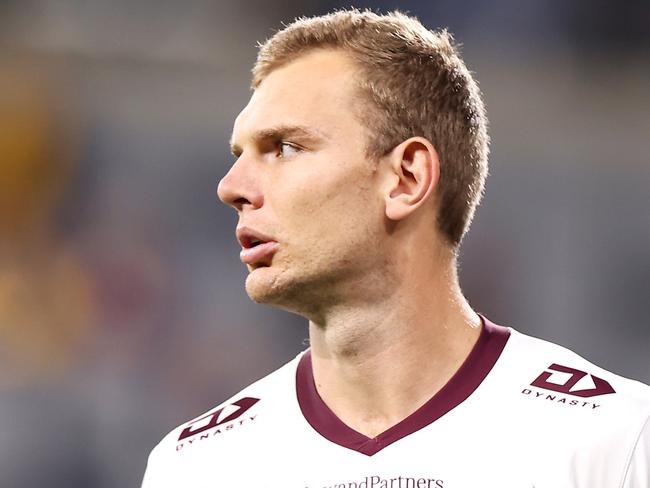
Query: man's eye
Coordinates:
[286,149]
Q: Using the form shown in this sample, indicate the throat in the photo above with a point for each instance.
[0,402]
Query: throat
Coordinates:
[375,381]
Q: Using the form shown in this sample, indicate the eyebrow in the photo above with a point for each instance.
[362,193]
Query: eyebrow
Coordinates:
[282,132]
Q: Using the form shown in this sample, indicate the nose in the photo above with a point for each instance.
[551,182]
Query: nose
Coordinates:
[240,186]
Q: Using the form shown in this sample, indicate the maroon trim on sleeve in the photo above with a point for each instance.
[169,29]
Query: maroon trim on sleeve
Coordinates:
[462,384]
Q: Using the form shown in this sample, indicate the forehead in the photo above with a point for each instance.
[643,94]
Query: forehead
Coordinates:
[316,90]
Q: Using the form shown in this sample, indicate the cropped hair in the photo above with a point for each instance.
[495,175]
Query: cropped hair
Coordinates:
[411,82]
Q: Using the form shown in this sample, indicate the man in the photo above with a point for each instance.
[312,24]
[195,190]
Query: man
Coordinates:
[360,159]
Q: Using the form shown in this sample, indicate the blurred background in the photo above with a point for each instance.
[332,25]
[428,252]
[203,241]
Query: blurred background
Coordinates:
[122,307]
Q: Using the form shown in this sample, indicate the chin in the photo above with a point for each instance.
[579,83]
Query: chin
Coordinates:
[263,286]
[269,286]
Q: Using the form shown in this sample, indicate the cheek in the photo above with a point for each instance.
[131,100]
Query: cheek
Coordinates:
[337,207]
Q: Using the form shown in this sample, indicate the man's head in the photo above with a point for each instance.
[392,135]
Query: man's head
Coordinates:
[362,131]
[411,82]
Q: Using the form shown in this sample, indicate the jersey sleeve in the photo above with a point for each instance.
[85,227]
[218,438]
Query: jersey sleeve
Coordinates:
[148,481]
[637,474]
[156,475]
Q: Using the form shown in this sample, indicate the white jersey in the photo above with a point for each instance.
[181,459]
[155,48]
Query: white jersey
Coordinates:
[519,413]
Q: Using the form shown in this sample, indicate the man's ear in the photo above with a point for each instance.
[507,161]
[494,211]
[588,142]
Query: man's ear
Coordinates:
[415,171]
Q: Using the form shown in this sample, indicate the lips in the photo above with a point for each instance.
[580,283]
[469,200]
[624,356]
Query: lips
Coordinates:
[258,248]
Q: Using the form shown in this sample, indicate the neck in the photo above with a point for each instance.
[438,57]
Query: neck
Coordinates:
[377,362]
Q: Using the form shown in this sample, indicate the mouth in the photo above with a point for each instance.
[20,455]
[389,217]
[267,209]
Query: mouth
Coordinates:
[257,248]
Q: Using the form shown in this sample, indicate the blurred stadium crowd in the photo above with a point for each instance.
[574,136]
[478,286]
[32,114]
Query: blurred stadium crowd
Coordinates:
[122,308]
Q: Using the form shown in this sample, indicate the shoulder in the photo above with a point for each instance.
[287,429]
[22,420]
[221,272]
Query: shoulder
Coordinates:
[552,386]
[558,369]
[575,410]
[562,394]
[230,425]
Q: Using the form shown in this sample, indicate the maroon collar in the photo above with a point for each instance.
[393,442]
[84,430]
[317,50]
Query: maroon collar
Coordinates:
[462,384]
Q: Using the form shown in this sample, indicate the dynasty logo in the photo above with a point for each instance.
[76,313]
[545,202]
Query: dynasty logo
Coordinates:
[229,417]
[569,381]
[573,378]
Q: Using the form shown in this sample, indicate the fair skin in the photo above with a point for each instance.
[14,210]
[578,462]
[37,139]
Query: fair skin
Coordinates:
[351,243]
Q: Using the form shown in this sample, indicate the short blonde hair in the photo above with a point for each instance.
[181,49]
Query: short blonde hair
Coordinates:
[414,83]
